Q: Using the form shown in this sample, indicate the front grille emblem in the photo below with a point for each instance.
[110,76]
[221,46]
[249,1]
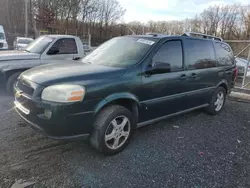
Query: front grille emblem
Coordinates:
[18,94]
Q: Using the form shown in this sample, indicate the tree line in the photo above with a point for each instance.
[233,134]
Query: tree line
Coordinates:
[77,17]
[226,21]
[101,18]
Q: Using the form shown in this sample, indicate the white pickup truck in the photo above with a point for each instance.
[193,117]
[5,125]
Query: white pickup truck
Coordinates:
[43,50]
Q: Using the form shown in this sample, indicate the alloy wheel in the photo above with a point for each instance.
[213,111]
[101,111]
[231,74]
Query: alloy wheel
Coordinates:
[219,101]
[117,132]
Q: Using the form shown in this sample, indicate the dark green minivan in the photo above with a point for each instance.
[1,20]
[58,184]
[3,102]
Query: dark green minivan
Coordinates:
[127,82]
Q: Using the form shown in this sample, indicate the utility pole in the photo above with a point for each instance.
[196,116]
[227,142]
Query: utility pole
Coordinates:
[26,17]
[89,38]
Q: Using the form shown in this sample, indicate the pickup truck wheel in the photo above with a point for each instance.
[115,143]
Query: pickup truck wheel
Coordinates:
[11,82]
[112,129]
[217,102]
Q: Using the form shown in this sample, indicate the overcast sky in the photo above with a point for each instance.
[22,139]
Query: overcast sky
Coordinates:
[144,10]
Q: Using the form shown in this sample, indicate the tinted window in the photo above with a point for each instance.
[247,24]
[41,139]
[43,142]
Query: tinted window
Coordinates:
[66,46]
[170,52]
[199,54]
[224,54]
[2,36]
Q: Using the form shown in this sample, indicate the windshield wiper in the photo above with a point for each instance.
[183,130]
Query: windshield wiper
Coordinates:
[27,51]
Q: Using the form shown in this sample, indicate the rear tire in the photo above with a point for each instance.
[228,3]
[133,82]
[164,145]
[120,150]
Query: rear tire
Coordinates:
[217,102]
[11,81]
[112,129]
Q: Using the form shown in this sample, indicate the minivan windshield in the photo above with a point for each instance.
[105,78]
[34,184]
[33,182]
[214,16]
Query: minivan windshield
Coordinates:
[2,36]
[24,41]
[120,51]
[39,45]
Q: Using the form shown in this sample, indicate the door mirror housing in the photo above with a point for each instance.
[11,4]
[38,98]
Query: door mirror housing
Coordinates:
[53,51]
[158,68]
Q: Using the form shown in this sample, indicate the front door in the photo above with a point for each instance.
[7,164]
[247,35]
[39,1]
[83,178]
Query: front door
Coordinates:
[164,93]
[65,50]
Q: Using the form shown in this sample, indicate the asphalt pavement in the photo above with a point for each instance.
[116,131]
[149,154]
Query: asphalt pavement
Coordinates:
[192,150]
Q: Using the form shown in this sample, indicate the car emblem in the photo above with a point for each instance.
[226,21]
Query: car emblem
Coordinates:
[18,94]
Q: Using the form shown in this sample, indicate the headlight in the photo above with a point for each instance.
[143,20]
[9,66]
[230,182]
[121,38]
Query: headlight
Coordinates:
[63,93]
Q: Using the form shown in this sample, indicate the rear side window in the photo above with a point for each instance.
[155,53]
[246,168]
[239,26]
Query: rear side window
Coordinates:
[224,54]
[170,52]
[199,54]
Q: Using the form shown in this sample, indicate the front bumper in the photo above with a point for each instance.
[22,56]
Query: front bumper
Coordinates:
[4,48]
[64,123]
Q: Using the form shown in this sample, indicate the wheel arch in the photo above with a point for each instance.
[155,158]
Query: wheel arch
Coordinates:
[126,100]
[223,84]
[8,73]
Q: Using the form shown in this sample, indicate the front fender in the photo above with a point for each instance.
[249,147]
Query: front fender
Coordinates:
[8,67]
[116,96]
[18,64]
[5,73]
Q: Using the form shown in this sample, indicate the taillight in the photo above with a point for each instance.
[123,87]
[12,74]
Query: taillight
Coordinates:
[235,73]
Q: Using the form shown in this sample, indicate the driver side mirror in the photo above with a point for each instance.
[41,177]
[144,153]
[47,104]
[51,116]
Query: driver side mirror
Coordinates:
[53,51]
[158,68]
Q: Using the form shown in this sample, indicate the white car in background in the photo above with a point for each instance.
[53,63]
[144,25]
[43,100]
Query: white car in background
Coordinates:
[241,65]
[20,43]
[3,41]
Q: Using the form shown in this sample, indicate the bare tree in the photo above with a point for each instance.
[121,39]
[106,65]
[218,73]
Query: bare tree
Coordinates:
[196,24]
[100,17]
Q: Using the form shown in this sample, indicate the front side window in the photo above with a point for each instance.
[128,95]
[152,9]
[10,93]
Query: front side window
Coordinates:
[39,45]
[171,53]
[120,51]
[199,54]
[224,54]
[66,46]
[2,36]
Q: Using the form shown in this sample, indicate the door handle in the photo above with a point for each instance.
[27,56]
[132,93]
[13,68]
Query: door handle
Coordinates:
[183,77]
[193,75]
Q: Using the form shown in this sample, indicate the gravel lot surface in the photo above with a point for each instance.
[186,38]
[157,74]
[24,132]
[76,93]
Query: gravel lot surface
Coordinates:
[192,150]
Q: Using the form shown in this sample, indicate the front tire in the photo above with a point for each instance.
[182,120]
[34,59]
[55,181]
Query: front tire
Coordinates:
[112,129]
[11,82]
[217,102]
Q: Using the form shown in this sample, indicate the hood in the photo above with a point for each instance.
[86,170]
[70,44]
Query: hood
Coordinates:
[3,41]
[70,72]
[17,55]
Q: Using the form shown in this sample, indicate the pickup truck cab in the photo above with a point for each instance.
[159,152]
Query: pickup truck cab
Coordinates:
[45,49]
[127,82]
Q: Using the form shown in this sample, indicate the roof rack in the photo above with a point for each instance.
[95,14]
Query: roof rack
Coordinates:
[202,35]
[155,34]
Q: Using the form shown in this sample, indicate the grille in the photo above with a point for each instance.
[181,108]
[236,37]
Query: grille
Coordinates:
[24,88]
[22,100]
[1,45]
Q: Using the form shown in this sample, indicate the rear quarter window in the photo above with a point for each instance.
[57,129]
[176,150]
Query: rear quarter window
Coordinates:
[224,54]
[199,54]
